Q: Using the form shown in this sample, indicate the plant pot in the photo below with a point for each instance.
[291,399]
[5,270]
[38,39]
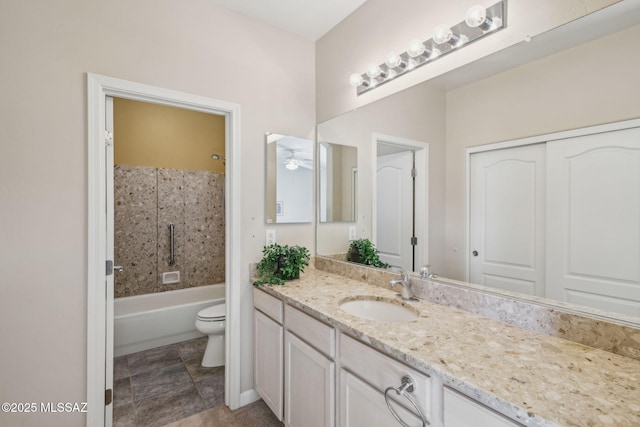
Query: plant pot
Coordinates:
[285,275]
[354,255]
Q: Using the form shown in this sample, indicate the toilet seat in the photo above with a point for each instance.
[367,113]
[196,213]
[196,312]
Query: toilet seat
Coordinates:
[215,313]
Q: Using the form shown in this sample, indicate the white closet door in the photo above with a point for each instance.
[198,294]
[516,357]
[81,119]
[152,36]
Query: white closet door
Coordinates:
[507,219]
[593,223]
[395,209]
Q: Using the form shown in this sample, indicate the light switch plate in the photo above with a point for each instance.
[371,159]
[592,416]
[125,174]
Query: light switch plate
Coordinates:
[270,237]
[352,233]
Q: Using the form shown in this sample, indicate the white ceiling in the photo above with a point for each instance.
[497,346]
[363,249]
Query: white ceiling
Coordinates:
[310,19]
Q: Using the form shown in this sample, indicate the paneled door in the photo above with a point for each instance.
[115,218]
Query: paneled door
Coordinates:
[507,211]
[593,240]
[395,209]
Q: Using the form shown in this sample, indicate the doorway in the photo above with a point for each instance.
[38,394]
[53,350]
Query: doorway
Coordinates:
[400,202]
[168,185]
[100,244]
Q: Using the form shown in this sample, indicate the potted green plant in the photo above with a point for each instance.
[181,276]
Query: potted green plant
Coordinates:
[280,263]
[363,251]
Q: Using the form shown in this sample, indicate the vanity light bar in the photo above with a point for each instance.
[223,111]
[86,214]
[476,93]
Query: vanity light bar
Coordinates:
[479,22]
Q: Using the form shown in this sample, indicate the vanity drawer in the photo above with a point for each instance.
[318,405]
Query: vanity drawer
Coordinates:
[316,333]
[271,306]
[381,372]
[461,411]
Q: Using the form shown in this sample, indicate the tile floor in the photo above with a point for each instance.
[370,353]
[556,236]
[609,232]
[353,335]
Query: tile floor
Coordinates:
[167,384]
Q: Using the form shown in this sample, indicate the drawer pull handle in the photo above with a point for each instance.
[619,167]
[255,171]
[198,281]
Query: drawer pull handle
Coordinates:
[404,390]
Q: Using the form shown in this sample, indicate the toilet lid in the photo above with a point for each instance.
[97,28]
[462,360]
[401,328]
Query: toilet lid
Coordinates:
[217,311]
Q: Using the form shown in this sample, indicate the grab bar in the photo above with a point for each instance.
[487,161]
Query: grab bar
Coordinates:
[172,231]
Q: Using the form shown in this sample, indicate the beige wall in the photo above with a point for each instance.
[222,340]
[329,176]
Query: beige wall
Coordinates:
[46,49]
[381,26]
[591,84]
[166,137]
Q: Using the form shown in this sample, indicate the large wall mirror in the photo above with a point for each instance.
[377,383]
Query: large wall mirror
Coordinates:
[289,180]
[541,87]
[338,183]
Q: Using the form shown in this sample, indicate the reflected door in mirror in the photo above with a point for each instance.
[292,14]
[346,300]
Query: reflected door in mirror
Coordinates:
[506,235]
[394,209]
[594,221]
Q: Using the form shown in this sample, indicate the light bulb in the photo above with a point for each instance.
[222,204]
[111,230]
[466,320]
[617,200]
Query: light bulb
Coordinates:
[292,164]
[415,49]
[356,80]
[374,71]
[393,60]
[476,16]
[442,34]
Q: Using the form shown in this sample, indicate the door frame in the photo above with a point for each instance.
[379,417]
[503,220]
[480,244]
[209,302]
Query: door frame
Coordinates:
[421,150]
[98,88]
[545,138]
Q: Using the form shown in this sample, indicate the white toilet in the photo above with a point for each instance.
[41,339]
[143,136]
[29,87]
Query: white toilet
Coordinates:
[211,321]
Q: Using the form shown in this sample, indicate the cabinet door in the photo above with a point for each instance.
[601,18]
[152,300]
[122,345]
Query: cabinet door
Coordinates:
[363,405]
[268,363]
[461,411]
[309,385]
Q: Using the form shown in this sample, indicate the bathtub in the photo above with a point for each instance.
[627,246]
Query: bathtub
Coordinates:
[148,321]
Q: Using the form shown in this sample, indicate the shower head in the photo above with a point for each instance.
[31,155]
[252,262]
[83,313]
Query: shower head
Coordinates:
[217,157]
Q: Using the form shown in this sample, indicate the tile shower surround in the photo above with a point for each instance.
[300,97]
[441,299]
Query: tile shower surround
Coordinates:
[146,200]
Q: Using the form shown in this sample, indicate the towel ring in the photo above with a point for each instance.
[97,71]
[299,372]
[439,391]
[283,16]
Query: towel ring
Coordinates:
[404,390]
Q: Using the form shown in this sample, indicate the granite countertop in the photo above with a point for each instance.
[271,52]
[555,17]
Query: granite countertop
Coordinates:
[536,379]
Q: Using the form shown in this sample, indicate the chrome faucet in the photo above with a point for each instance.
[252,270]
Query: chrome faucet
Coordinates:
[426,274]
[406,293]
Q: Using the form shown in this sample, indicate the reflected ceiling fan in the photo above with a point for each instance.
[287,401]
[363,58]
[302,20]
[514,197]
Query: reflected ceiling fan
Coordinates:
[293,162]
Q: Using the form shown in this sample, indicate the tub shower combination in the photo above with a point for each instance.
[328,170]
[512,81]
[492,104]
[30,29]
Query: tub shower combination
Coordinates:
[170,240]
[143,322]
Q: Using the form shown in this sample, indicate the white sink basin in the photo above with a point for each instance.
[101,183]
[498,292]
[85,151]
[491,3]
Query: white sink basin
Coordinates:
[376,308]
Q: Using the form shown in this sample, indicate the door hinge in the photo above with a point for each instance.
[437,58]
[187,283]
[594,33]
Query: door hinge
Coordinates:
[414,241]
[414,173]
[108,138]
[108,397]
[109,271]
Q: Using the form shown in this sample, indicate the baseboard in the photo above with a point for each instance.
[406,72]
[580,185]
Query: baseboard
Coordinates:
[249,396]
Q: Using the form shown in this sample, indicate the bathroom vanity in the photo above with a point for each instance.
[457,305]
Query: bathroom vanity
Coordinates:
[316,364]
